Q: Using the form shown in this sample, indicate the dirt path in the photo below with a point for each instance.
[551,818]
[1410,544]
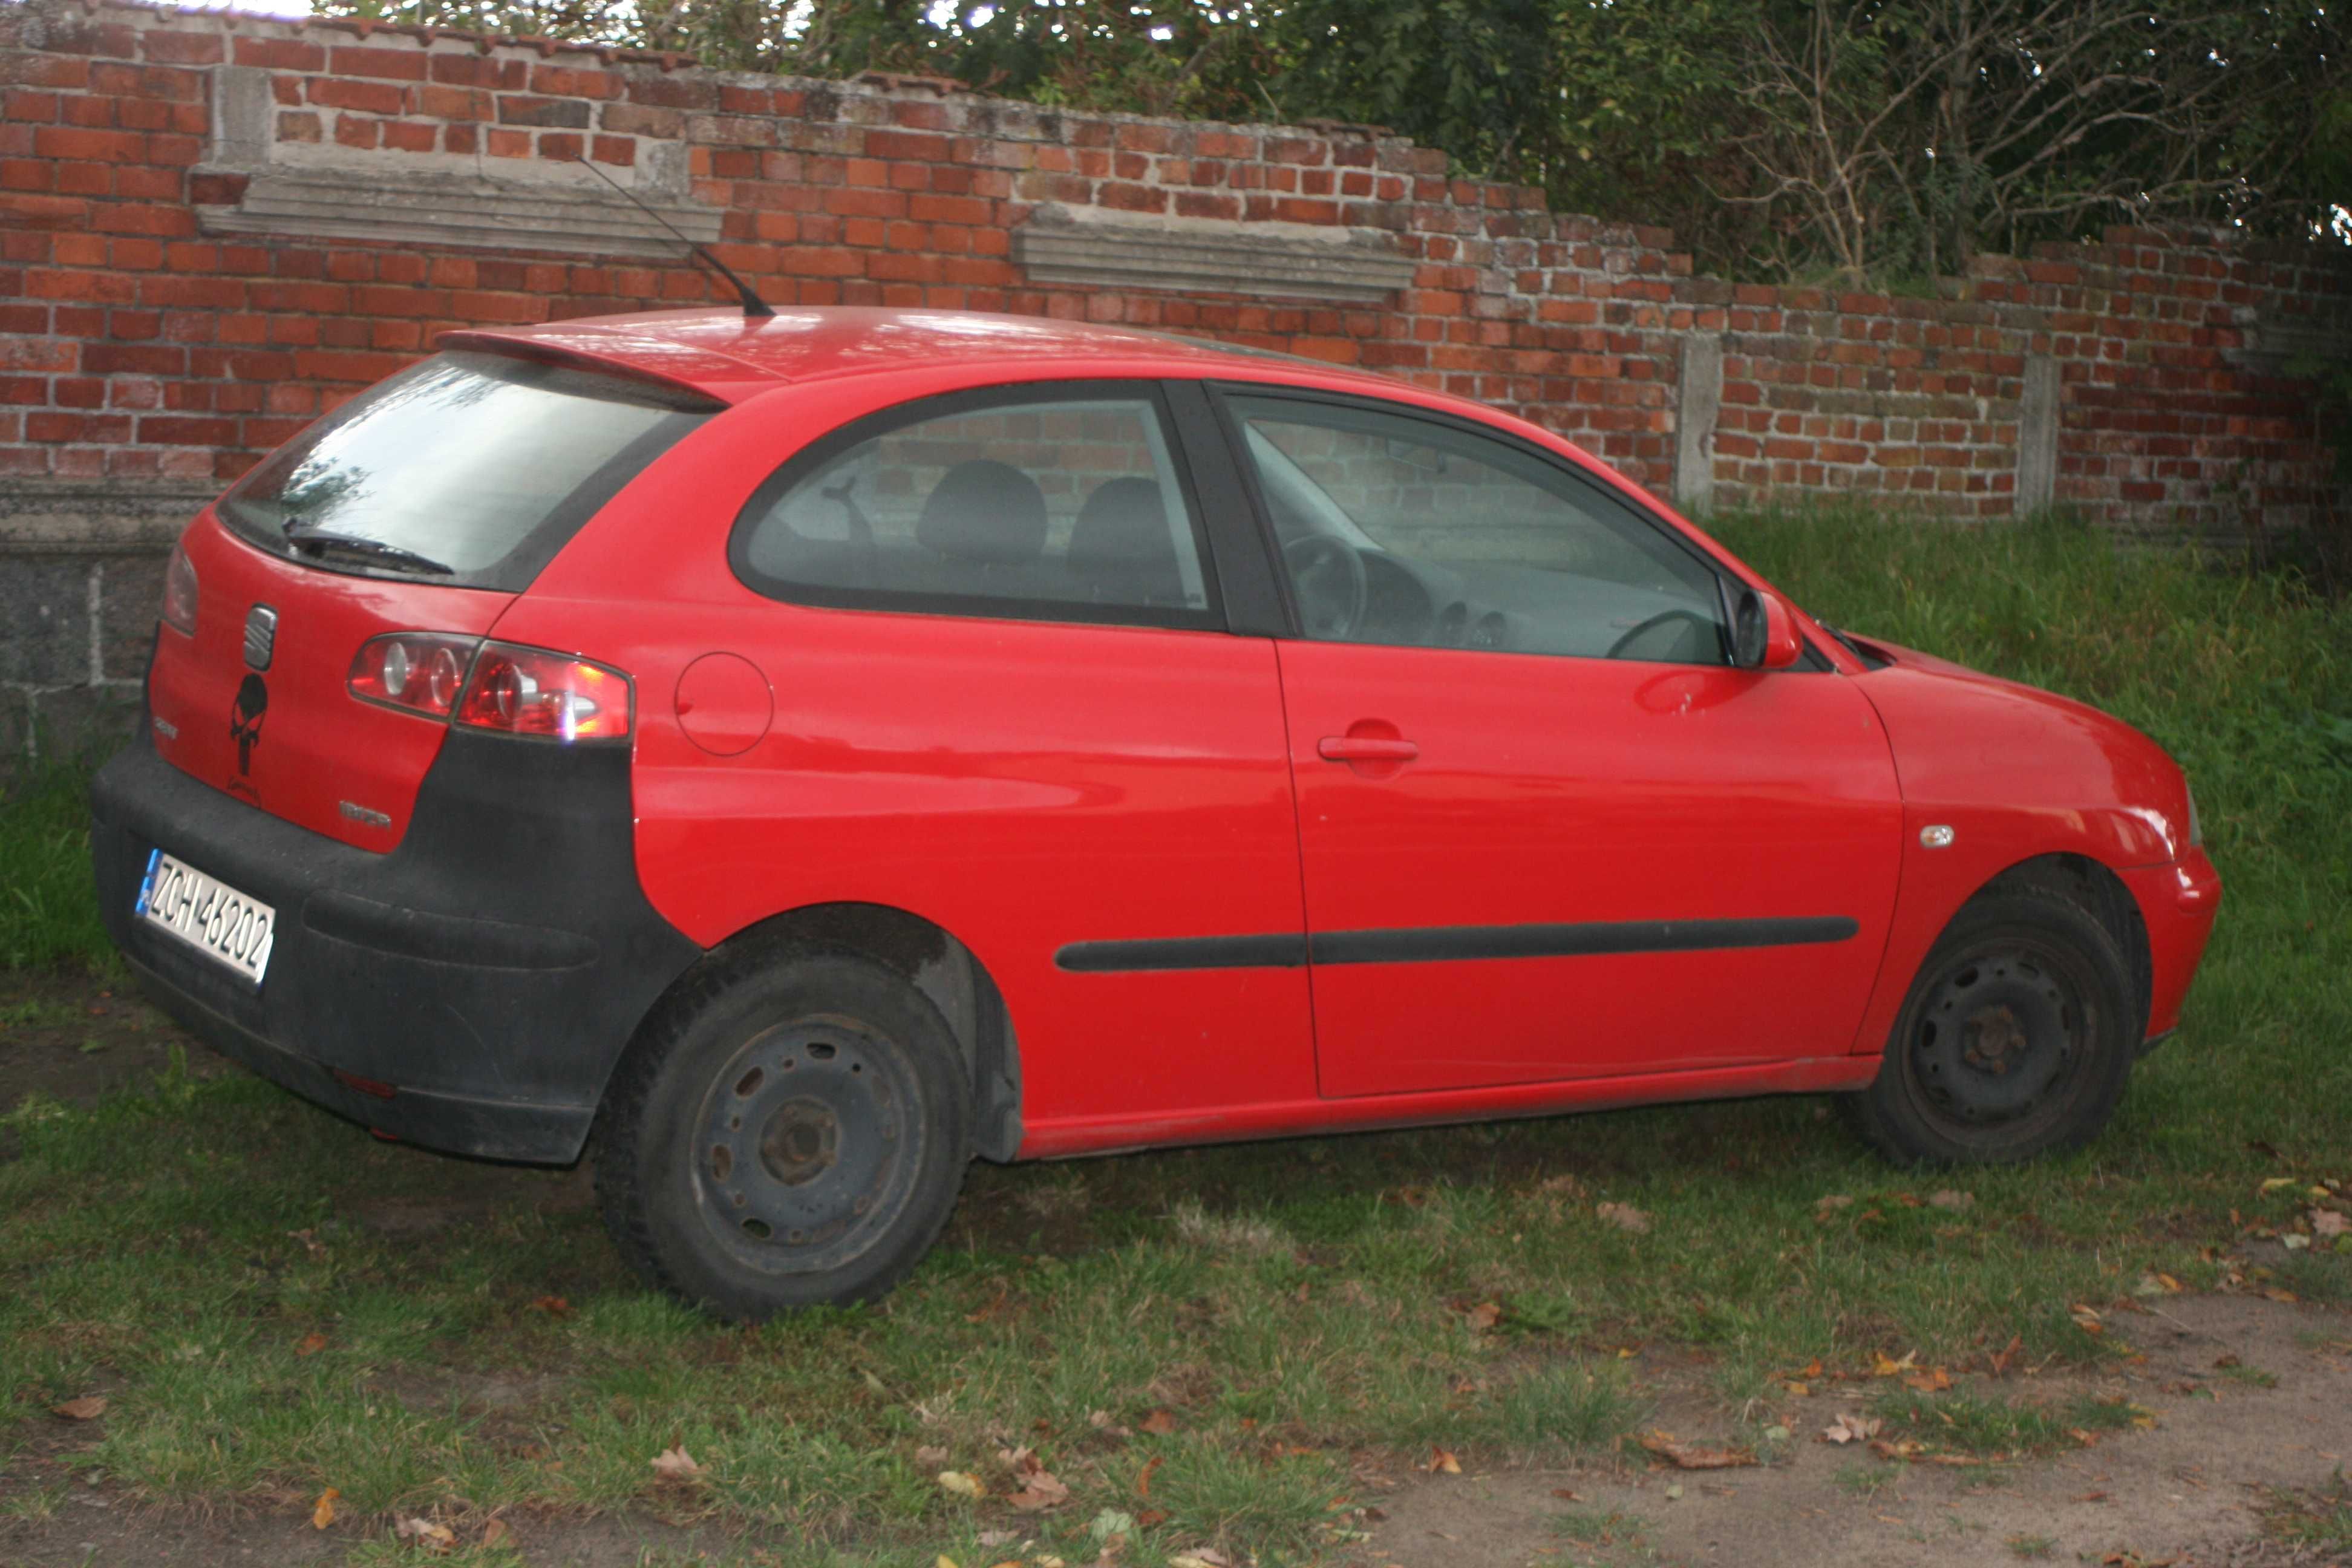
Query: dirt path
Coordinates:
[2185,1492]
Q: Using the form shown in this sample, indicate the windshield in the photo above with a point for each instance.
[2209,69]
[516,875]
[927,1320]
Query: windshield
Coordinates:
[470,467]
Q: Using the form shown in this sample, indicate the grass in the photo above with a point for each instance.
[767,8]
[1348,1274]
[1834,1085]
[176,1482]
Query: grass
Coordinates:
[2320,1519]
[46,915]
[274,1304]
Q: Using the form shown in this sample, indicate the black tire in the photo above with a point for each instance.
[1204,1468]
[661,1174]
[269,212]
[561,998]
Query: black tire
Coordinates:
[2016,1040]
[790,1128]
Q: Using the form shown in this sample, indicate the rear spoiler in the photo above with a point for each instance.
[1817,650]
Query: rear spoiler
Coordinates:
[579,351]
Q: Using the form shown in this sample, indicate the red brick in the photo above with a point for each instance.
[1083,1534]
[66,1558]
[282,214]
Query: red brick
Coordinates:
[619,151]
[460,138]
[280,54]
[392,64]
[368,97]
[455,103]
[410,136]
[559,145]
[302,127]
[358,131]
[105,146]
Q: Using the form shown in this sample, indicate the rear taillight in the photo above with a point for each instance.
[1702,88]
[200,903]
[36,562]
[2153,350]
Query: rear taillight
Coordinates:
[420,672]
[180,592]
[496,686]
[530,691]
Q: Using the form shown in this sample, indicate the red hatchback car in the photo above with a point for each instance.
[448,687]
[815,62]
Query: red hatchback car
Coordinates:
[797,754]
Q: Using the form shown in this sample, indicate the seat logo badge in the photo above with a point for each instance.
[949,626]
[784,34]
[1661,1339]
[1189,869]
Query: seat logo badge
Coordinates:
[363,815]
[245,716]
[260,636]
[1935,836]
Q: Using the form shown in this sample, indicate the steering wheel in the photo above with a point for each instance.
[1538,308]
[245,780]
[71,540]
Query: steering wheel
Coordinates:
[1661,618]
[1328,577]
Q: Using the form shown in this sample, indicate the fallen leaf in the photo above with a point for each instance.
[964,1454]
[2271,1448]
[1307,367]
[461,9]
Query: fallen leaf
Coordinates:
[2325,1223]
[1850,1428]
[2088,1319]
[1932,1380]
[1825,1207]
[494,1532]
[1562,1183]
[312,1343]
[1143,1481]
[1040,1488]
[1684,1456]
[1160,1424]
[1151,1516]
[1442,1462]
[962,1483]
[1100,1420]
[2000,1358]
[993,1537]
[1952,1201]
[554,1306]
[676,1464]
[1201,1557]
[1883,1367]
[1111,1522]
[322,1512]
[943,1561]
[1483,1317]
[424,1533]
[2276,1182]
[931,1455]
[89,1407]
[1625,1216]
[1569,1496]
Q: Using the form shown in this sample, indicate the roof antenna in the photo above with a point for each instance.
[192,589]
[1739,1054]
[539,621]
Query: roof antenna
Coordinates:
[753,304]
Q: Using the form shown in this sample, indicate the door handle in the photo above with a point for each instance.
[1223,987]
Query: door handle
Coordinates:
[1365,748]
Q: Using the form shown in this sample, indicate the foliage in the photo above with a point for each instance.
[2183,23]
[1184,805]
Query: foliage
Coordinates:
[46,913]
[1775,136]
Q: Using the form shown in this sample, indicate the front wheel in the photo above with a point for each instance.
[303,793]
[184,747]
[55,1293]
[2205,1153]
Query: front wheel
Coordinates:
[791,1129]
[2015,1041]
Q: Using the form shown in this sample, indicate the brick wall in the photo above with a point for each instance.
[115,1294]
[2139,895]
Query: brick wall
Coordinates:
[147,355]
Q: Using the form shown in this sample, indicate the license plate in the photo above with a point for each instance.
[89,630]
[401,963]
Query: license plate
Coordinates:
[234,929]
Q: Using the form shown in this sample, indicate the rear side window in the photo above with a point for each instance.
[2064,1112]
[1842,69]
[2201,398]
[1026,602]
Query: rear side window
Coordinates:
[468,467]
[1016,504]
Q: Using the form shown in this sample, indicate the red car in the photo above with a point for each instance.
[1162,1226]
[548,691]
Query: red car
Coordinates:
[794,755]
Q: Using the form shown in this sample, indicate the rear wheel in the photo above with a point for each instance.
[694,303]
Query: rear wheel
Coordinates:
[790,1130]
[2016,1039]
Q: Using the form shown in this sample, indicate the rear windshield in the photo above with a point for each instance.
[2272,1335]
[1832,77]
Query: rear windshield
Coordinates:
[470,469]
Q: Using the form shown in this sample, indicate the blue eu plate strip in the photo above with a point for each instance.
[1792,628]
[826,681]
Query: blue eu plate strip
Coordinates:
[147,883]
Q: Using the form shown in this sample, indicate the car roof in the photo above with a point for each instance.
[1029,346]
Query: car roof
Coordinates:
[726,354]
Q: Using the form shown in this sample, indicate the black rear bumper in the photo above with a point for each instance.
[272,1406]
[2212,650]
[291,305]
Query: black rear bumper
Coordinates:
[487,973]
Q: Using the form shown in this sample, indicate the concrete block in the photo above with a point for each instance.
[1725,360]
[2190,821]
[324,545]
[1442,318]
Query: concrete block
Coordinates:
[45,622]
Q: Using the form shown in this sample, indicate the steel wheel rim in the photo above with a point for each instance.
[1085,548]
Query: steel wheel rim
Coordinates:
[2003,1041]
[808,1145]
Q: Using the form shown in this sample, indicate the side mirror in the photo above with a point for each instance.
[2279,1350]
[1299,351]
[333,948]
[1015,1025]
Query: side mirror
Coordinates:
[1764,632]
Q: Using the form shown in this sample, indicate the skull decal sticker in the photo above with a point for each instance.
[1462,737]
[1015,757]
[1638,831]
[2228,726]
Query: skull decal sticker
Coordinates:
[244,720]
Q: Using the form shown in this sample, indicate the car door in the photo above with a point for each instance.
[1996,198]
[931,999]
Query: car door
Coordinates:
[1546,830]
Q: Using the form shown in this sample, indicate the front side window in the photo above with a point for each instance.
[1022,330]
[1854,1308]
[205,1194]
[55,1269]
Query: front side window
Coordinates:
[1024,506]
[1406,530]
[468,467]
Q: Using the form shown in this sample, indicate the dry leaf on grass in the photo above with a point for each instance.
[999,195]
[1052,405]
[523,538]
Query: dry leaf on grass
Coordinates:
[1625,1216]
[1684,1456]
[931,1455]
[322,1512]
[312,1343]
[1201,1557]
[89,1407]
[1143,1481]
[2327,1223]
[962,1483]
[2000,1358]
[1442,1462]
[426,1535]
[676,1465]
[1159,1423]
[1483,1317]
[1881,1365]
[1850,1428]
[1952,1201]
[554,1306]
[1928,1380]
[1825,1207]
[1039,1488]
[495,1533]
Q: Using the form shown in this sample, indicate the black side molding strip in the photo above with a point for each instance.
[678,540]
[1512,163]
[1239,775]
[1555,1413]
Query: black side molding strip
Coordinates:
[1182,952]
[1442,944]
[1438,944]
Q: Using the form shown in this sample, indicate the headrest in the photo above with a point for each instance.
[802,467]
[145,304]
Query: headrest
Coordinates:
[984,511]
[1123,527]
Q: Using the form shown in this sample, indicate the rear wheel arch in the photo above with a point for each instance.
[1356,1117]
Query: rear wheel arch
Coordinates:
[927,956]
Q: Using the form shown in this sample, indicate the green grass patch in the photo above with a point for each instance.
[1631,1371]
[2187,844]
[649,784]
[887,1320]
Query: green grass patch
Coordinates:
[274,1304]
[1997,1428]
[2321,1519]
[48,915]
